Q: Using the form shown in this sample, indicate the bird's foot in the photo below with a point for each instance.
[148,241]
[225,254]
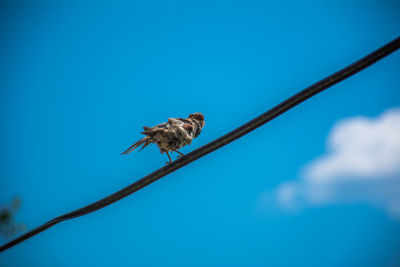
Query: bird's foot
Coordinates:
[180,154]
[168,162]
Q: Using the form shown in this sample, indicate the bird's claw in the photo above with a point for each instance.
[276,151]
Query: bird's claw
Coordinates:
[168,162]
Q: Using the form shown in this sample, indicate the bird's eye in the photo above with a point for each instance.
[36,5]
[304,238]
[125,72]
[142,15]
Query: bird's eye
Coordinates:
[197,116]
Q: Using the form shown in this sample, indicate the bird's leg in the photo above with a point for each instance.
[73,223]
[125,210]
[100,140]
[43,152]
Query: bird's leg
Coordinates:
[170,160]
[181,154]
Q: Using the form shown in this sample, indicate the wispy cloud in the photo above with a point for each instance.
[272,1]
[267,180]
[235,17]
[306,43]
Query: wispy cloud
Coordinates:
[361,165]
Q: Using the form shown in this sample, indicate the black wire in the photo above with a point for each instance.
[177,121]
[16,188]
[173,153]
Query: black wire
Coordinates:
[223,140]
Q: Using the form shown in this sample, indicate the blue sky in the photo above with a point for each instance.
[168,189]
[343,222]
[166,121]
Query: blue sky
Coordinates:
[79,80]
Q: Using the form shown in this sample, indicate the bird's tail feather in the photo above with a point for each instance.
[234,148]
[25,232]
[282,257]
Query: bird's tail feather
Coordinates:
[144,141]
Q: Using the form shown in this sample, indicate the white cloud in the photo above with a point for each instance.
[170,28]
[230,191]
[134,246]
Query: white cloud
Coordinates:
[361,165]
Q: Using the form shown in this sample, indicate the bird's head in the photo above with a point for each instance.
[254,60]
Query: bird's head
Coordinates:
[197,116]
[199,119]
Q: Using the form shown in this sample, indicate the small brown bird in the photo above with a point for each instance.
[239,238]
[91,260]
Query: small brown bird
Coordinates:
[171,135]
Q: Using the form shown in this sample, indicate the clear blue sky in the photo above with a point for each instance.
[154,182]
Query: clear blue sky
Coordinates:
[79,80]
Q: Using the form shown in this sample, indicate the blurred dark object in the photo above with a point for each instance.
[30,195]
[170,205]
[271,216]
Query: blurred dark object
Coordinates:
[8,226]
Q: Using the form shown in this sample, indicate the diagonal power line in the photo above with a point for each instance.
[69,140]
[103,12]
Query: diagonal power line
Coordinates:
[220,142]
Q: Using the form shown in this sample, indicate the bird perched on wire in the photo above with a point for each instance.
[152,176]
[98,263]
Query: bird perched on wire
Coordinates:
[171,135]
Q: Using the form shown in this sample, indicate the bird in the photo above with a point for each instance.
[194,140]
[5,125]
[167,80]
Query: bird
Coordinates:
[171,135]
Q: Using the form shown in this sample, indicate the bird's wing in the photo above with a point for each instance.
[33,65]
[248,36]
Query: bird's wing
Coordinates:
[188,127]
[183,120]
[174,122]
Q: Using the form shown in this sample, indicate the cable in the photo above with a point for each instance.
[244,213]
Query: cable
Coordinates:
[220,142]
